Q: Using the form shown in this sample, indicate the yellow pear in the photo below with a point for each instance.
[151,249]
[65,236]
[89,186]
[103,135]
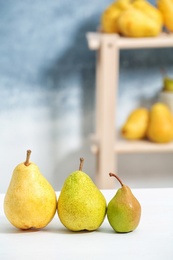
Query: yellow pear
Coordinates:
[150,11]
[166,8]
[81,205]
[160,128]
[30,201]
[136,124]
[110,15]
[136,23]
[132,18]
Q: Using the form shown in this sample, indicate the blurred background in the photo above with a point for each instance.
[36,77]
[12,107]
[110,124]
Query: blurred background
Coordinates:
[47,91]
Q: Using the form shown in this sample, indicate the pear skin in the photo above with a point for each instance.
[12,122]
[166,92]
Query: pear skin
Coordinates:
[160,128]
[30,201]
[81,205]
[109,18]
[137,18]
[168,84]
[136,124]
[150,11]
[135,23]
[110,15]
[124,210]
[166,8]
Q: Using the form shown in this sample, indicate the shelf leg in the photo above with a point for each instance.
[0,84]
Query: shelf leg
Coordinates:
[107,71]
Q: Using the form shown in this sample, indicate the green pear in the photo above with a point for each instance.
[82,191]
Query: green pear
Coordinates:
[30,201]
[81,205]
[124,210]
[167,84]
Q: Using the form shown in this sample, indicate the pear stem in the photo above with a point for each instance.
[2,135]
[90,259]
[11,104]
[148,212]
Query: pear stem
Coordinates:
[114,175]
[27,163]
[81,164]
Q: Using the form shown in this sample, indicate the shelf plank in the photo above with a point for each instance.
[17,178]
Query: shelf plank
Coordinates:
[124,146]
[164,40]
[129,147]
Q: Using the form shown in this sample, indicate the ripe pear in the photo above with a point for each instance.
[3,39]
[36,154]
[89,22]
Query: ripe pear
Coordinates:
[81,205]
[160,128]
[136,124]
[166,8]
[111,14]
[167,84]
[136,23]
[30,201]
[150,11]
[124,210]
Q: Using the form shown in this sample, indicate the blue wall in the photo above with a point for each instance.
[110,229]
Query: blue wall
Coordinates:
[47,84]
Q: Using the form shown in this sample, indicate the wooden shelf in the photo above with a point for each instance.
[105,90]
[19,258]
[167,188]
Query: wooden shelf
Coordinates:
[162,41]
[107,145]
[142,146]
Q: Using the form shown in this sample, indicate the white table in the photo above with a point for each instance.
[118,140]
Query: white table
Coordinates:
[153,239]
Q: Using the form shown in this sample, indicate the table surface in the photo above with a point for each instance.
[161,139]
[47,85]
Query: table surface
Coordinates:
[153,238]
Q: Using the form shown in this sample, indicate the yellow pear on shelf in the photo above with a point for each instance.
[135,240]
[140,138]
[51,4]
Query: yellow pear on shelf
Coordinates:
[160,128]
[166,8]
[137,23]
[150,11]
[30,201]
[111,14]
[132,18]
[168,84]
[81,205]
[136,124]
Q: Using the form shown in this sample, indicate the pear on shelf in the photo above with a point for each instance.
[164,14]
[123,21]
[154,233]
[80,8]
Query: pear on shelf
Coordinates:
[168,84]
[30,201]
[166,9]
[136,124]
[132,18]
[124,210]
[81,205]
[111,14]
[160,128]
